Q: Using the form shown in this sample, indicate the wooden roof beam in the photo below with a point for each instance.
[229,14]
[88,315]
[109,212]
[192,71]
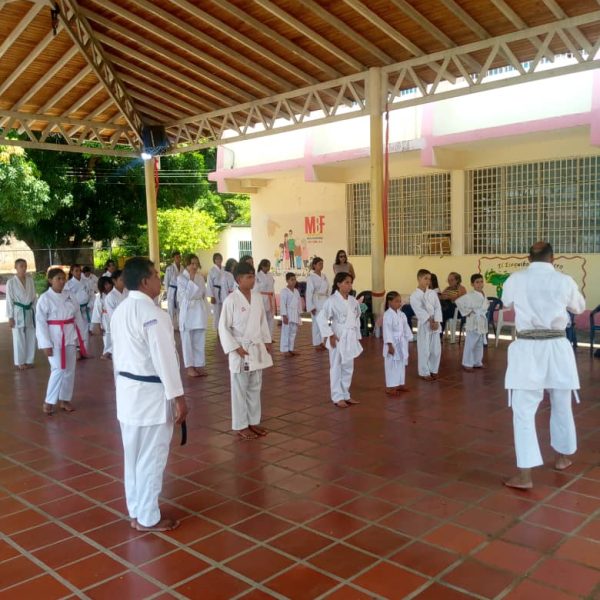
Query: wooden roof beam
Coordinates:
[466,18]
[559,13]
[311,34]
[13,36]
[83,100]
[83,73]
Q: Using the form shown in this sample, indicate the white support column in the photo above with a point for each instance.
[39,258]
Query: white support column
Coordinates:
[153,248]
[457,208]
[375,108]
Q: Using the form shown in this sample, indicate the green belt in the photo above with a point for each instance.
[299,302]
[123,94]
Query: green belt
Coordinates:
[25,308]
[87,311]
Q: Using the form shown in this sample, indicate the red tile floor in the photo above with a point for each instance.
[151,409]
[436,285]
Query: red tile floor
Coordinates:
[394,498]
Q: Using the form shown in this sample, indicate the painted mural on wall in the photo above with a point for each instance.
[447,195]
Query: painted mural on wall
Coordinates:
[497,269]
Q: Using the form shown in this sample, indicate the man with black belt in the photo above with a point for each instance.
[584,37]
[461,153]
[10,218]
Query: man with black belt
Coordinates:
[172,272]
[541,358]
[149,392]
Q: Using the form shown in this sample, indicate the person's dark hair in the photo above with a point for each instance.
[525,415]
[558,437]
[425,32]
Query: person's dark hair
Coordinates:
[337,256]
[422,272]
[52,273]
[246,258]
[475,277]
[71,268]
[243,268]
[109,263]
[315,260]
[540,252]
[136,270]
[230,265]
[116,274]
[187,261]
[175,253]
[434,282]
[87,269]
[217,255]
[103,282]
[389,297]
[339,277]
[20,260]
[289,275]
[263,263]
[456,276]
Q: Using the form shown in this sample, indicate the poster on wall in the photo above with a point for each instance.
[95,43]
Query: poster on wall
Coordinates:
[497,269]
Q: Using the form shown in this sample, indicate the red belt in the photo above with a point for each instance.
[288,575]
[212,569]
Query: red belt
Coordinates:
[63,346]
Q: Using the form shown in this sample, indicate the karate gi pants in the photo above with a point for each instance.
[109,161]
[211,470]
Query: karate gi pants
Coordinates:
[193,343]
[563,437]
[340,376]
[85,332]
[271,321]
[216,314]
[429,349]
[473,350]
[395,371]
[288,337]
[107,341]
[172,310]
[23,345]
[245,399]
[145,451]
[62,381]
[317,338]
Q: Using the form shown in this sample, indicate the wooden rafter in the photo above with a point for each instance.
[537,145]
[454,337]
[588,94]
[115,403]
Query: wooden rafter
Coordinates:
[75,80]
[20,28]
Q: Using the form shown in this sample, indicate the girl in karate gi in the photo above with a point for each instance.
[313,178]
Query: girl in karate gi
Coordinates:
[339,324]
[396,336]
[193,316]
[59,328]
[317,292]
[474,307]
[20,310]
[265,285]
[100,316]
[290,305]
[228,279]
[116,295]
[81,291]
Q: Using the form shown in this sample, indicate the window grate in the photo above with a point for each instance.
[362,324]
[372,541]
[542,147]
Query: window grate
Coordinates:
[358,212]
[244,248]
[509,207]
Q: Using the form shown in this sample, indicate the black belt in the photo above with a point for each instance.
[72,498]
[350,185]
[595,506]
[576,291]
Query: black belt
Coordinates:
[155,379]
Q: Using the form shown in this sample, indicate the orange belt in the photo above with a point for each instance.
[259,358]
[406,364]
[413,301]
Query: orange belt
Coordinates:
[63,346]
[271,301]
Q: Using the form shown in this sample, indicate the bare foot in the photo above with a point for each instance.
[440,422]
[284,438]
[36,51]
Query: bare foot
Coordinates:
[434,376]
[247,434]
[468,369]
[133,523]
[391,391]
[261,431]
[352,401]
[427,377]
[479,366]
[106,356]
[48,409]
[288,354]
[562,462]
[320,348]
[67,406]
[29,366]
[520,481]
[165,524]
[342,404]
[201,371]
[20,367]
[294,353]
[191,372]
[401,388]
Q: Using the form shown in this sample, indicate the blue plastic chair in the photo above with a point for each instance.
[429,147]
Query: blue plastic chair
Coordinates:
[593,328]
[495,305]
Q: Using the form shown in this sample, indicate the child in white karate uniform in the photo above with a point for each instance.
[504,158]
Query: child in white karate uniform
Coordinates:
[20,310]
[172,273]
[339,323]
[245,337]
[215,286]
[59,328]
[425,302]
[317,292]
[265,285]
[193,316]
[80,289]
[474,307]
[100,316]
[396,336]
[290,306]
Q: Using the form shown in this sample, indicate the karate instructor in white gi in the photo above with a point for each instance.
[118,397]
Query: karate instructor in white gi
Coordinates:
[541,358]
[149,392]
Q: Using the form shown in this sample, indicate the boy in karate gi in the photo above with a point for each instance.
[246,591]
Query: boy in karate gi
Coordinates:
[290,306]
[20,310]
[474,307]
[149,392]
[244,334]
[541,358]
[396,336]
[216,287]
[172,272]
[426,304]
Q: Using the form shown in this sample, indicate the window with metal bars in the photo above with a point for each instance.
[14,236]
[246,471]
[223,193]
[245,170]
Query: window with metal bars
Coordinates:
[509,207]
[418,216]
[244,248]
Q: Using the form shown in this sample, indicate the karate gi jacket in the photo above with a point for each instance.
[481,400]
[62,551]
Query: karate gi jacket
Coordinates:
[23,294]
[474,306]
[57,307]
[216,285]
[265,285]
[426,304]
[317,291]
[396,332]
[144,344]
[290,305]
[342,318]
[245,325]
[81,291]
[170,280]
[541,296]
[191,296]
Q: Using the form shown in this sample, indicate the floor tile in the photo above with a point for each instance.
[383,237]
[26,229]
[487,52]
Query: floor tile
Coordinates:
[259,564]
[567,576]
[437,591]
[538,538]
[389,581]
[128,585]
[91,570]
[336,524]
[175,567]
[16,570]
[300,542]
[479,578]
[215,584]
[580,550]
[455,539]
[301,583]
[45,586]
[378,540]
[222,545]
[531,589]
[263,526]
[509,557]
[424,558]
[342,561]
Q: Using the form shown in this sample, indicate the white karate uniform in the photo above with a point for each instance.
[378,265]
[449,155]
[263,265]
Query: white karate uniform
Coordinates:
[396,332]
[193,318]
[474,306]
[317,292]
[541,297]
[20,306]
[81,291]
[216,290]
[229,284]
[290,306]
[62,338]
[101,317]
[111,302]
[265,286]
[92,281]
[172,273]
[144,344]
[341,318]
[244,325]
[429,348]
